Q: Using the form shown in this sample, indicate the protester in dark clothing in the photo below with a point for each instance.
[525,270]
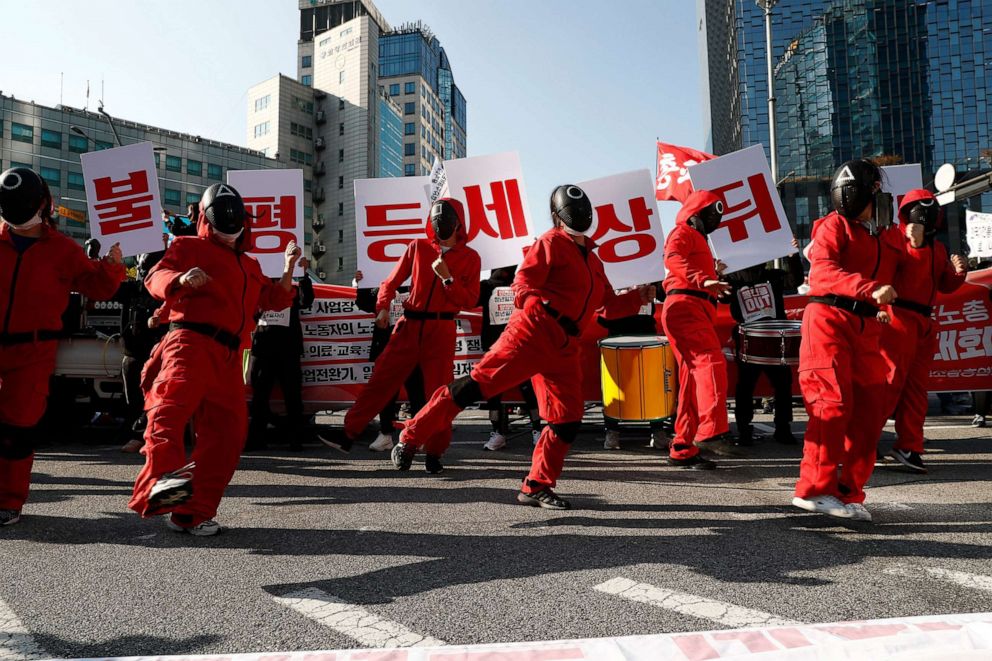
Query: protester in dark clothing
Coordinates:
[365,300]
[496,301]
[276,349]
[750,301]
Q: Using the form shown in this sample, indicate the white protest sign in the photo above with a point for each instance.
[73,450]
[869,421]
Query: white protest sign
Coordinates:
[275,318]
[491,189]
[899,180]
[754,228]
[500,306]
[627,228]
[389,213]
[275,199]
[439,181]
[396,307]
[123,199]
[979,233]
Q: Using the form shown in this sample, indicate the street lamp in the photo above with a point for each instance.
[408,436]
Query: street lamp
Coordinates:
[767,6]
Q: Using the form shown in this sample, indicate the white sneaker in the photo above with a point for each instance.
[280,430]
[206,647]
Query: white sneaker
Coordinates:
[612,441]
[382,443]
[858,512]
[496,441]
[172,488]
[828,505]
[208,528]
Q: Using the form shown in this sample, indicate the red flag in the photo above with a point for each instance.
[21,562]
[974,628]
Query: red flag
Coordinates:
[672,181]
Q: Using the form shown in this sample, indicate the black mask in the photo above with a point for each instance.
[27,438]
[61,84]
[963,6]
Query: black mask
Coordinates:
[224,208]
[881,217]
[445,219]
[853,186]
[926,213]
[22,194]
[709,218]
[572,207]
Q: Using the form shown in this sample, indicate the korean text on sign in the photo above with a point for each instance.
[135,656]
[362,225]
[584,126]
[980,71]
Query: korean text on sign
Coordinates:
[389,214]
[274,200]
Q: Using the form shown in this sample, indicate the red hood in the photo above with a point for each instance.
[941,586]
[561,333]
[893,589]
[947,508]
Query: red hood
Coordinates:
[693,204]
[461,234]
[916,195]
[203,231]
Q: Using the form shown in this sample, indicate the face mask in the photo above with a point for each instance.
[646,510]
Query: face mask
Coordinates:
[229,239]
[34,222]
[570,231]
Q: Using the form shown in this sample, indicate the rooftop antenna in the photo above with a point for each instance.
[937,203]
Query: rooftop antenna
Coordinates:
[87,106]
[61,85]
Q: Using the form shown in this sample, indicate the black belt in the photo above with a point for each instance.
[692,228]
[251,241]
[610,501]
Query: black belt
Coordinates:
[568,325]
[224,338]
[692,292]
[846,304]
[7,339]
[918,308]
[428,316]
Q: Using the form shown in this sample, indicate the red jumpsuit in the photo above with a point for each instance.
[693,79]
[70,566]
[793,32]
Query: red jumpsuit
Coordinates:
[910,341]
[841,371]
[689,322]
[192,375]
[535,345]
[418,341]
[36,287]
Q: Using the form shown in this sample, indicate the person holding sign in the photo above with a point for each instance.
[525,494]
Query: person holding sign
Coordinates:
[213,291]
[558,288]
[854,255]
[692,288]
[909,341]
[444,275]
[39,268]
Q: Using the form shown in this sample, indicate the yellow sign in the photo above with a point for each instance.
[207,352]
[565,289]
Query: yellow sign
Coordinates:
[72,214]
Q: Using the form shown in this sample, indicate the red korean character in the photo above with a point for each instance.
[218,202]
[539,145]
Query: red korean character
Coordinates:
[398,232]
[507,206]
[637,233]
[125,205]
[763,207]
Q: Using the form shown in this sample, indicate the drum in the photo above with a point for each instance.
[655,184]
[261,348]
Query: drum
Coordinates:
[770,342]
[639,378]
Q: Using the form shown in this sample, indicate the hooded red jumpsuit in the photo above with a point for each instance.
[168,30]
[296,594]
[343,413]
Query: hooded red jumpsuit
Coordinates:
[689,320]
[36,286]
[909,342]
[425,336]
[841,370]
[192,375]
[574,285]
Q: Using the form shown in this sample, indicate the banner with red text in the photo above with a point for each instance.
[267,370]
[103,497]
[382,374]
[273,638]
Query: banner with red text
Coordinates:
[123,198]
[755,228]
[275,200]
[627,228]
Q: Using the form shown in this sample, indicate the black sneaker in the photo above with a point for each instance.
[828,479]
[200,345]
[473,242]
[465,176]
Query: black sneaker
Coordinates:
[720,444]
[172,489]
[9,517]
[786,437]
[696,463]
[911,460]
[402,456]
[545,498]
[336,440]
[433,464]
[744,440]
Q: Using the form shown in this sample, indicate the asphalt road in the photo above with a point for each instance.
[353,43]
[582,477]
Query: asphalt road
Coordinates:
[325,552]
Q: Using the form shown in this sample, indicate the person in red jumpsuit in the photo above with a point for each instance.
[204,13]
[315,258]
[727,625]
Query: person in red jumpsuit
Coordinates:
[213,292]
[854,255]
[909,340]
[445,281]
[39,268]
[558,288]
[692,288]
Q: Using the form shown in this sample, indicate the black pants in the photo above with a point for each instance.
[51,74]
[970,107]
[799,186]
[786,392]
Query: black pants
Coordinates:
[414,386]
[497,412]
[747,378]
[268,369]
[131,367]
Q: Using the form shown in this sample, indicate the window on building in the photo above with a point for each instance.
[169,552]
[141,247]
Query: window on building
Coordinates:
[102,144]
[409,129]
[308,213]
[409,108]
[21,132]
[410,88]
[340,156]
[262,103]
[78,144]
[194,168]
[173,164]
[307,80]
[308,159]
[340,104]
[50,138]
[340,264]
[394,89]
[262,129]
[215,171]
[340,208]
[307,61]
[409,149]
[172,197]
[158,161]
[308,185]
[409,170]
[340,236]
[52,176]
[305,106]
[341,77]
[193,198]
[18,164]
[74,181]
[340,183]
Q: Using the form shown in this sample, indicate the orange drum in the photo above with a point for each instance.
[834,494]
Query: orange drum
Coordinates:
[639,378]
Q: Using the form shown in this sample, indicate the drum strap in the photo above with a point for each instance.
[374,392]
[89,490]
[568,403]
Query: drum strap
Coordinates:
[692,292]
[846,304]
[918,308]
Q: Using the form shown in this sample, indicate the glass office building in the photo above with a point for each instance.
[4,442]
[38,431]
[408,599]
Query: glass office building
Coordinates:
[390,139]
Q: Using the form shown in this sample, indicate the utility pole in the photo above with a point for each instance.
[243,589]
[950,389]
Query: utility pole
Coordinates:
[767,6]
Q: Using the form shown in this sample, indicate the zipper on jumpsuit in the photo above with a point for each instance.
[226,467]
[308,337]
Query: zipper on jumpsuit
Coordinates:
[878,263]
[13,289]
[427,305]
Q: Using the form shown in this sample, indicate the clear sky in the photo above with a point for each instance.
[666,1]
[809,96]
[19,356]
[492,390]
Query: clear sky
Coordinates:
[580,88]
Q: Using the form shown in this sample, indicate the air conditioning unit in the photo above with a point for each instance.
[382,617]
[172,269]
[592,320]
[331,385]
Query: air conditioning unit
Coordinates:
[319,144]
[320,169]
[318,224]
[321,274]
[318,195]
[321,117]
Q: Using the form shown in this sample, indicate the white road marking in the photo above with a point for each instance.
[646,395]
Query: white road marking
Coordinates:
[16,644]
[354,622]
[964,579]
[760,426]
[729,615]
